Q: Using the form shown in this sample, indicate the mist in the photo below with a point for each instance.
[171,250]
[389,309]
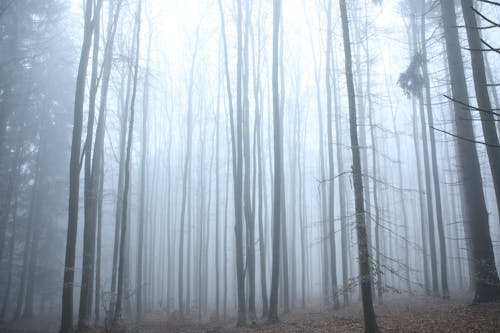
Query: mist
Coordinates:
[249,165]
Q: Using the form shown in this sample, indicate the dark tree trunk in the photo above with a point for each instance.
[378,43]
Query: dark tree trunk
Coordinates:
[74,177]
[486,277]
[482,96]
[90,200]
[364,256]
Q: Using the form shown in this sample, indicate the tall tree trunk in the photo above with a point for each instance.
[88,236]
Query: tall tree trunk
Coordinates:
[97,297]
[437,187]
[364,256]
[122,262]
[30,247]
[238,180]
[142,214]
[273,303]
[217,202]
[427,168]
[186,172]
[247,203]
[85,309]
[121,176]
[486,277]
[258,164]
[284,238]
[10,261]
[482,96]
[74,178]
[376,207]
[331,174]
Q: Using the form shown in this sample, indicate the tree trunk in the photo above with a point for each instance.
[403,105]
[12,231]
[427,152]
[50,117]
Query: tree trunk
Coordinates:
[364,256]
[142,214]
[247,203]
[273,303]
[331,175]
[85,310]
[74,178]
[486,277]
[121,269]
[435,172]
[482,96]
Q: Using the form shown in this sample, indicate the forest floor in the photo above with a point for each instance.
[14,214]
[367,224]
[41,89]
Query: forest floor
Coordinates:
[417,314]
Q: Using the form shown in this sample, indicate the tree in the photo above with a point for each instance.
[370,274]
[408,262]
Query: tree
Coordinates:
[331,185]
[482,95]
[122,260]
[273,300]
[74,171]
[486,277]
[364,256]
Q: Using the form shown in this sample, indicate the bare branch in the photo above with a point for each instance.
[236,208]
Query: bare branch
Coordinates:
[465,139]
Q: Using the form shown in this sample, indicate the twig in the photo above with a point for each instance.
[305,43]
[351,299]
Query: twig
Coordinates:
[465,139]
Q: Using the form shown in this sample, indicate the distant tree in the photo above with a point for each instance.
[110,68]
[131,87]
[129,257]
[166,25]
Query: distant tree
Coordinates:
[273,300]
[331,173]
[123,241]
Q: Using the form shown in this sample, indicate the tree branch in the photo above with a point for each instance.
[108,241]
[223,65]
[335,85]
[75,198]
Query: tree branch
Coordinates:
[465,139]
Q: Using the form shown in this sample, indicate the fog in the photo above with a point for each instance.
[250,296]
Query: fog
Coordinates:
[205,164]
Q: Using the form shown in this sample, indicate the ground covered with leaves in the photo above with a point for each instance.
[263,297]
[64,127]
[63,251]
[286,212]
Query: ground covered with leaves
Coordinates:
[416,314]
[396,315]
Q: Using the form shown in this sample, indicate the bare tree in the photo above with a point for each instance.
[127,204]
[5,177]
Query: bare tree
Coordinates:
[486,277]
[364,256]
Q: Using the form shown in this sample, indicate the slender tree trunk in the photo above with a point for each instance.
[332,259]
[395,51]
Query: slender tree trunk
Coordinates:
[258,165]
[121,175]
[342,196]
[186,172]
[122,262]
[376,207]
[273,303]
[74,170]
[437,186]
[284,237]
[331,183]
[217,202]
[10,261]
[85,310]
[364,256]
[30,246]
[247,203]
[142,213]
[99,245]
[238,180]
